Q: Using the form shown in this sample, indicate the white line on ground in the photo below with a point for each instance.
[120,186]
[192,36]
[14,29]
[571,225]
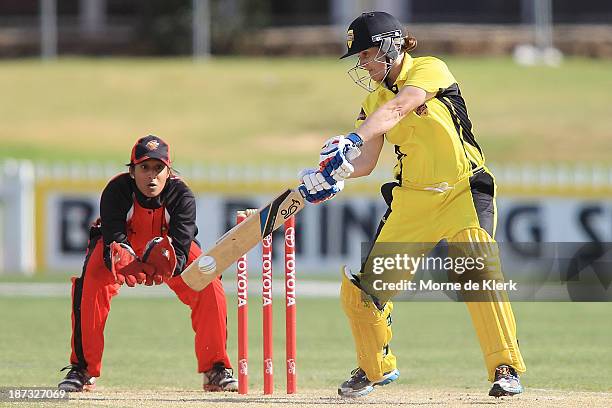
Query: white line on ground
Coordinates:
[303,289]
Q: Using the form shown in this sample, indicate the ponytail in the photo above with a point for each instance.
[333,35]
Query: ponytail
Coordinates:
[409,43]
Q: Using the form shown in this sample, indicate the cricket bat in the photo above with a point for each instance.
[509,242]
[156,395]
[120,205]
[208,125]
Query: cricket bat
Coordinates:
[242,238]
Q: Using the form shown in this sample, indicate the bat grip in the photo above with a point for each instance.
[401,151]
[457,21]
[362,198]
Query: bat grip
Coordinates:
[353,153]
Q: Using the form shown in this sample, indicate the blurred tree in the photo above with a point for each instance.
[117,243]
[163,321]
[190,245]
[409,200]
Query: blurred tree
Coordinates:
[165,25]
[235,18]
[288,13]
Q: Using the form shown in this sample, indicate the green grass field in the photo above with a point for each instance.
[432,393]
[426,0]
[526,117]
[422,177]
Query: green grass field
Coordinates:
[278,111]
[149,345]
[273,110]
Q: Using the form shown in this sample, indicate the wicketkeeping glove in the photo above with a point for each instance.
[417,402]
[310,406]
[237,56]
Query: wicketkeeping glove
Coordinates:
[159,253]
[315,189]
[336,155]
[125,265]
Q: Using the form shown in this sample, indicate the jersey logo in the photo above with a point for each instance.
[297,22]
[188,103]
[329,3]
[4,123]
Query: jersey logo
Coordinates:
[362,115]
[152,145]
[421,110]
[349,38]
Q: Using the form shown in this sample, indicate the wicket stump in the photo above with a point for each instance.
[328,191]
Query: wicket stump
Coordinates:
[290,311]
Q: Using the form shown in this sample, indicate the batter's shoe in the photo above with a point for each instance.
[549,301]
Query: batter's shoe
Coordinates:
[220,378]
[359,385]
[77,380]
[506,382]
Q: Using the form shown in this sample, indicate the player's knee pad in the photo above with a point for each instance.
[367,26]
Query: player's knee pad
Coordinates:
[475,238]
[495,327]
[478,249]
[490,309]
[371,328]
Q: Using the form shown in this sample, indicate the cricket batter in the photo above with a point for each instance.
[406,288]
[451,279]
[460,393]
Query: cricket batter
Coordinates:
[443,191]
[145,235]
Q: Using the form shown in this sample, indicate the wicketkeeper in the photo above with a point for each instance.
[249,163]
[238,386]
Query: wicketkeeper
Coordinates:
[443,191]
[145,236]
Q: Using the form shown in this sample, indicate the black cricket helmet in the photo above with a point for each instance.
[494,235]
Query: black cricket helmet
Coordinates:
[375,29]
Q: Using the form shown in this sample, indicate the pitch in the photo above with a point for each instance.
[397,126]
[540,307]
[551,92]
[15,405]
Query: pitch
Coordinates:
[149,358]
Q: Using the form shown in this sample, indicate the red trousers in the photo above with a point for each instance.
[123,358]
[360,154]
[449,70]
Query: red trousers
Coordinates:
[91,301]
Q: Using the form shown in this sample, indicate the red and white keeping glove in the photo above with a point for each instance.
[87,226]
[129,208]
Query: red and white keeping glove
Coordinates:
[125,265]
[160,255]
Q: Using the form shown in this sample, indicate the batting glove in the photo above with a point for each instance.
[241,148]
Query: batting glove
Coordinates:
[315,189]
[335,157]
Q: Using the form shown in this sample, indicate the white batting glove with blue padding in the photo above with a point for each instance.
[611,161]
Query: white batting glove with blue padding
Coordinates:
[336,155]
[315,189]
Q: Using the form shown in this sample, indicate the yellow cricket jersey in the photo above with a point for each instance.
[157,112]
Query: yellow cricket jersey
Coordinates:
[434,143]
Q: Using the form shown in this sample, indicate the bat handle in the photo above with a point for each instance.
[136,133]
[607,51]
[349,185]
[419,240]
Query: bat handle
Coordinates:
[353,153]
[302,190]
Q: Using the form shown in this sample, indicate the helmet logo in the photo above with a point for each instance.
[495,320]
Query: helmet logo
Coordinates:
[349,38]
[152,145]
